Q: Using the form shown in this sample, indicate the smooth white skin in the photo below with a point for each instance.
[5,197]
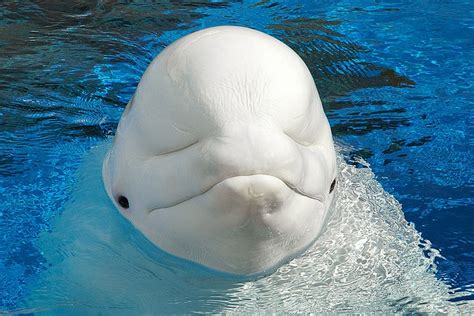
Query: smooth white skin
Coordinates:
[224,153]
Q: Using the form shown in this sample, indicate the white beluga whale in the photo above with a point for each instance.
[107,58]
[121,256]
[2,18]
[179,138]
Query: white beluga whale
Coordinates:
[224,155]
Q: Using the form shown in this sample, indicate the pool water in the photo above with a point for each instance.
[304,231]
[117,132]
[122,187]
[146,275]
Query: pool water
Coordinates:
[396,82]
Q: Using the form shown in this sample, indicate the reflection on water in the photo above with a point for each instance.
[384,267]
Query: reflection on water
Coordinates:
[67,71]
[368,259]
[334,62]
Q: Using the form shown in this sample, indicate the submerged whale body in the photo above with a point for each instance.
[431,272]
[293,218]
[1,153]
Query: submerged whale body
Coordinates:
[224,155]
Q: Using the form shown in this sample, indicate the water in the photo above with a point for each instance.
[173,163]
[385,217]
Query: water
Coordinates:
[396,82]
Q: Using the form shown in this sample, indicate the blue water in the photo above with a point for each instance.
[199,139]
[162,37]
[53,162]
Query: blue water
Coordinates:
[396,81]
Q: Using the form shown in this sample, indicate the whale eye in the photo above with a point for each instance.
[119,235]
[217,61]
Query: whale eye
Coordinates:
[123,201]
[333,185]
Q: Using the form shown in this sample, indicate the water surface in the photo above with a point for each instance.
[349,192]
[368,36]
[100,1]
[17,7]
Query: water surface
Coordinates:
[395,79]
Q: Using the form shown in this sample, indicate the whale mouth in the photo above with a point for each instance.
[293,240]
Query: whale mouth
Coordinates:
[289,186]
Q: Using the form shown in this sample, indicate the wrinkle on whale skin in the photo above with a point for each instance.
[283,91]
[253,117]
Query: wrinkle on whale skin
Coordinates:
[369,258]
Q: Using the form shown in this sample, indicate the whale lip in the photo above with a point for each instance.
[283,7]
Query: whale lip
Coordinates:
[288,185]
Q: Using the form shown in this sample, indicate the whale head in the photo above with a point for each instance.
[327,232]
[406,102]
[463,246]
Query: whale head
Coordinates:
[224,155]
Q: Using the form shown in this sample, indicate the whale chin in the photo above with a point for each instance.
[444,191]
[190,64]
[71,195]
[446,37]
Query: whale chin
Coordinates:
[242,225]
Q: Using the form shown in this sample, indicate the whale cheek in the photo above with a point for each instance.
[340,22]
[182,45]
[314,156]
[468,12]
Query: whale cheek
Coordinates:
[243,225]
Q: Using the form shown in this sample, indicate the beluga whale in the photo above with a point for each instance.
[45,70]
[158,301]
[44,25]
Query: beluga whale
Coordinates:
[224,155]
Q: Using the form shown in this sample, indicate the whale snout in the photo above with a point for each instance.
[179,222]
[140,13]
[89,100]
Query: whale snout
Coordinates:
[254,199]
